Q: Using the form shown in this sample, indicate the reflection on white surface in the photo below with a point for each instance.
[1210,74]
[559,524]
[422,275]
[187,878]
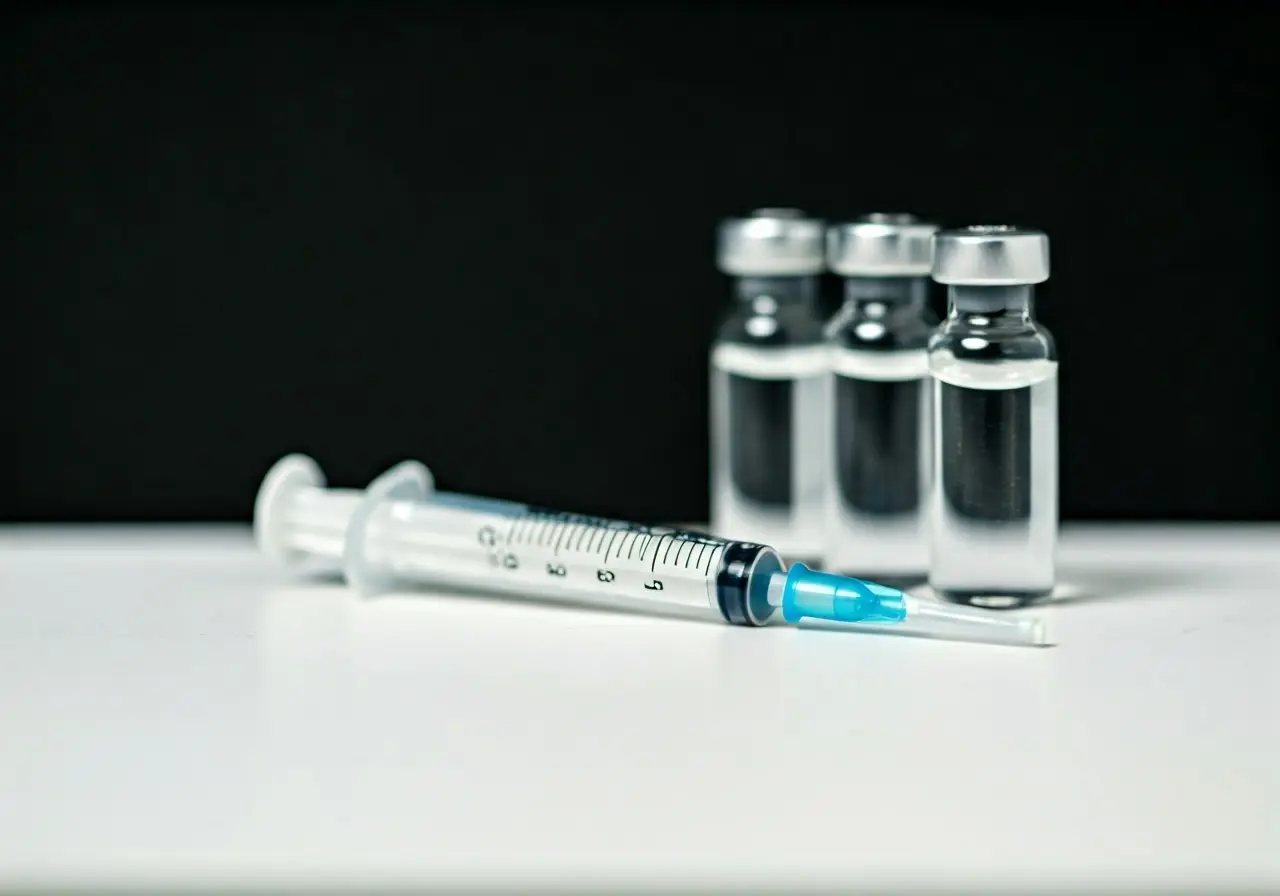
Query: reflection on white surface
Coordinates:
[130,707]
[167,714]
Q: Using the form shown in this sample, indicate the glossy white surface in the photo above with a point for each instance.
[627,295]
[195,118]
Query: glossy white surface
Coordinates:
[173,712]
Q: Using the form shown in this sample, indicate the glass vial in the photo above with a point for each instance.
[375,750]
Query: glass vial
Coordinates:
[880,400]
[995,373]
[768,367]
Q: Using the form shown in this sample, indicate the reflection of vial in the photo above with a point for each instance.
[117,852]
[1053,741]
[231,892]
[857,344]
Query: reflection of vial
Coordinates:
[995,372]
[876,506]
[767,385]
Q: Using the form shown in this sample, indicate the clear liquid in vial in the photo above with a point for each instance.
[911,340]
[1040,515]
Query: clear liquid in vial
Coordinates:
[879,466]
[995,496]
[768,409]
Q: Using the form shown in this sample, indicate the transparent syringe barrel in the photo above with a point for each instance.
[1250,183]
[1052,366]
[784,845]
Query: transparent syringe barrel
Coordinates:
[478,544]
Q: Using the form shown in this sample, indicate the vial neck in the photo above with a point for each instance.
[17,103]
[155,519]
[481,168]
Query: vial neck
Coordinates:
[783,290]
[1006,302]
[901,292]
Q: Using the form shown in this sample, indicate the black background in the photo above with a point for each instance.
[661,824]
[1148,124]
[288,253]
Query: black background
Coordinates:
[481,235]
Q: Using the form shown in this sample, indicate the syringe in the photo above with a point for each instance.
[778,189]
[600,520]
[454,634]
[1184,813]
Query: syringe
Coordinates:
[472,543]
[301,524]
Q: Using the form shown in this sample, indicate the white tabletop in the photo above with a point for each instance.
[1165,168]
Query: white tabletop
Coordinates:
[173,712]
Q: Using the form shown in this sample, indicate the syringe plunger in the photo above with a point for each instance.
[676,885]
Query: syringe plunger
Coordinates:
[297,520]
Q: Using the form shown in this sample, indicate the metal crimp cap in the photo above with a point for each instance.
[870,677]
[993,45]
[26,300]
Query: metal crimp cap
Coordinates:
[881,245]
[991,255]
[770,242]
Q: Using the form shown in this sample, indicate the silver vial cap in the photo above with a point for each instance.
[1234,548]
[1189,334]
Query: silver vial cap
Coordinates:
[770,242]
[991,255]
[881,245]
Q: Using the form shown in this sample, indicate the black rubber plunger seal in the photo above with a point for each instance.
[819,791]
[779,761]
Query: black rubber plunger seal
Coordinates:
[732,583]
